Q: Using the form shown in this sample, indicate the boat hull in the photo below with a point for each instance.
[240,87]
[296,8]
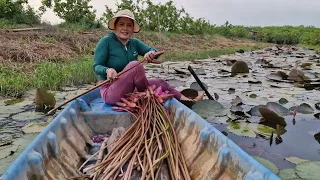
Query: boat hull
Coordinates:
[60,149]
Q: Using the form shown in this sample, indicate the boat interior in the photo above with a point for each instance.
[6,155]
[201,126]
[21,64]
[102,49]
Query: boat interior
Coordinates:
[62,147]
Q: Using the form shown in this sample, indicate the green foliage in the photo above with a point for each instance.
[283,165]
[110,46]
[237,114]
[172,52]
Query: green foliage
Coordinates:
[72,11]
[56,75]
[161,17]
[18,11]
[12,82]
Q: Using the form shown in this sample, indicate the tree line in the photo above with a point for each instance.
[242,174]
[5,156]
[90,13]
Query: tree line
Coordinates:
[161,17]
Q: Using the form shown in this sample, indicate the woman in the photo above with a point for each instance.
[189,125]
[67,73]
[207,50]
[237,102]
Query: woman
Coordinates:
[117,52]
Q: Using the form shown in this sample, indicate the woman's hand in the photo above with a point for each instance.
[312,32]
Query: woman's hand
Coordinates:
[111,73]
[149,56]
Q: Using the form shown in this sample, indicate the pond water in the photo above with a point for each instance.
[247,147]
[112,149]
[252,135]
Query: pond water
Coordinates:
[235,111]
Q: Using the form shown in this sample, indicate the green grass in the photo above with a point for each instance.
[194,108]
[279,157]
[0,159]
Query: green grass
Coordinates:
[48,75]
[54,75]
[205,54]
[315,47]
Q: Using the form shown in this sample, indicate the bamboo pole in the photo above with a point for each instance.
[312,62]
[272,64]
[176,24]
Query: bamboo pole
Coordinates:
[108,81]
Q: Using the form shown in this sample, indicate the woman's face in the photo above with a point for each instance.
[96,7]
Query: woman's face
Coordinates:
[124,28]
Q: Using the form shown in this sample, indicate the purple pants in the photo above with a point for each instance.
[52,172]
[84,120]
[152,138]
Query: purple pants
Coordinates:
[134,79]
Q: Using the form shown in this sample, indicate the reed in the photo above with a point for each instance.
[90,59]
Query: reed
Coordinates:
[148,146]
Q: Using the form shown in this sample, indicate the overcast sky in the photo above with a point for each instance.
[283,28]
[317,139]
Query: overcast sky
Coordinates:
[237,12]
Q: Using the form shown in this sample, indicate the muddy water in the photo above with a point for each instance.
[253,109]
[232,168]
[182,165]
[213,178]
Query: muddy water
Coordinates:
[298,141]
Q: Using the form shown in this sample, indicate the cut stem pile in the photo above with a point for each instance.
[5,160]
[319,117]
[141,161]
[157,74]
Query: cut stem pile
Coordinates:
[148,145]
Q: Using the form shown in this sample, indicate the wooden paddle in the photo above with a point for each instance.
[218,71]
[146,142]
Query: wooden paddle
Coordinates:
[108,81]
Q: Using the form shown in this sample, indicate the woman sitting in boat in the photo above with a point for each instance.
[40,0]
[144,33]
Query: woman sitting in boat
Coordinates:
[117,52]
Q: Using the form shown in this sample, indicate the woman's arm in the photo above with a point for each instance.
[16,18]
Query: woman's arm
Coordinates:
[143,48]
[100,57]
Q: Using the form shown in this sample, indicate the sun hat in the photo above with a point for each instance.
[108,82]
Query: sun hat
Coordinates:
[124,13]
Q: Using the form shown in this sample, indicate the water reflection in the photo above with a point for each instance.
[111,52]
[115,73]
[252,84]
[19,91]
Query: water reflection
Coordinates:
[300,138]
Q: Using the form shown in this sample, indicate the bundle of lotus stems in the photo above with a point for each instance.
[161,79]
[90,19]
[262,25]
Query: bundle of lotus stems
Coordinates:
[148,146]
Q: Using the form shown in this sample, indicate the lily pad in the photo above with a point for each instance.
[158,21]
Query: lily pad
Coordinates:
[240,67]
[176,83]
[283,101]
[34,127]
[305,108]
[269,165]
[13,101]
[6,151]
[207,108]
[253,96]
[308,170]
[30,115]
[10,109]
[200,71]
[255,110]
[288,174]
[249,129]
[197,87]
[296,160]
[272,116]
[22,143]
[277,78]
[277,108]
[236,101]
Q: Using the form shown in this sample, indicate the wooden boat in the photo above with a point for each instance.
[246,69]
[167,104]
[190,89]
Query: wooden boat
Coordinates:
[59,150]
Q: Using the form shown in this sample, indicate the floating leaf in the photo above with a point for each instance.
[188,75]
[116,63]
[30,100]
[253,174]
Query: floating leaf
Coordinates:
[255,110]
[30,115]
[44,99]
[178,71]
[236,101]
[13,101]
[317,105]
[297,75]
[253,96]
[34,127]
[200,71]
[197,87]
[231,90]
[240,67]
[190,93]
[296,160]
[277,78]
[283,101]
[309,170]
[288,174]
[216,96]
[272,116]
[277,108]
[249,129]
[306,64]
[305,108]
[254,81]
[269,165]
[176,83]
[317,137]
[282,74]
[6,151]
[207,108]
[22,143]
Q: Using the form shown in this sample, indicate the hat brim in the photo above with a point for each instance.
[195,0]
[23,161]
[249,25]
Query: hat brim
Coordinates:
[136,27]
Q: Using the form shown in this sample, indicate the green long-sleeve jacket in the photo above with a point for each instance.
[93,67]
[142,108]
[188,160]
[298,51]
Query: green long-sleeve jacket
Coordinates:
[111,53]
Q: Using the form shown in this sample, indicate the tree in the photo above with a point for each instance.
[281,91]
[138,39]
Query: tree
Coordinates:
[72,11]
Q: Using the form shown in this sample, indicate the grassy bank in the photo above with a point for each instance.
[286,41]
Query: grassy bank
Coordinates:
[16,78]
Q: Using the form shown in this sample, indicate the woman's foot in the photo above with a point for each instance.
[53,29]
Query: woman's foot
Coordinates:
[196,99]
[199,97]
